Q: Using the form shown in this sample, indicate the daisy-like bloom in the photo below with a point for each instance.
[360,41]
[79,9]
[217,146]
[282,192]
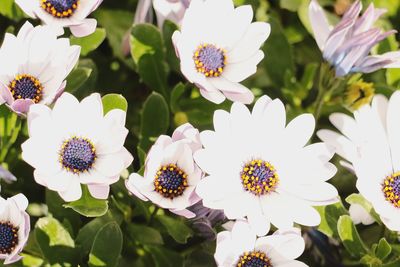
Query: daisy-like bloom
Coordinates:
[347,45]
[14,227]
[258,167]
[76,144]
[370,145]
[63,13]
[219,47]
[35,65]
[359,94]
[241,248]
[172,10]
[170,175]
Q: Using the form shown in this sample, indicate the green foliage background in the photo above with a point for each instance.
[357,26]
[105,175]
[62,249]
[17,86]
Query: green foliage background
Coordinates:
[125,231]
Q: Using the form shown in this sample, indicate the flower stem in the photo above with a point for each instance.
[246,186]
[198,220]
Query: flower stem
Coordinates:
[153,215]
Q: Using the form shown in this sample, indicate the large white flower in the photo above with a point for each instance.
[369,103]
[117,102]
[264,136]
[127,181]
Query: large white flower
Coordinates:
[260,168]
[170,175]
[370,142]
[219,47]
[76,144]
[14,227]
[63,13]
[34,65]
[347,45]
[241,248]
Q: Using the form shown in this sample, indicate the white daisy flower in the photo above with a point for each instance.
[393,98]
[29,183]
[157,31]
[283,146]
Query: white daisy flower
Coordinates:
[35,65]
[241,248]
[170,175]
[14,227]
[259,167]
[347,45]
[219,47]
[63,13]
[172,10]
[76,144]
[369,142]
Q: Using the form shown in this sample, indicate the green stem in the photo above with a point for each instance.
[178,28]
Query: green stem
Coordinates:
[319,102]
[153,214]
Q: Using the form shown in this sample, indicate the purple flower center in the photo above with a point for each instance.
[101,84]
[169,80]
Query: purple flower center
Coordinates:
[391,189]
[170,181]
[259,177]
[77,155]
[60,8]
[8,237]
[254,259]
[209,60]
[25,86]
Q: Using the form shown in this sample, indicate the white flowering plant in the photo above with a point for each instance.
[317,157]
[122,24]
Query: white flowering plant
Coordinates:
[188,133]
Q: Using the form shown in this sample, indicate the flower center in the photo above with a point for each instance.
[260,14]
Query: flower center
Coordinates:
[259,177]
[77,154]
[209,60]
[25,86]
[254,259]
[391,189]
[170,181]
[60,8]
[8,237]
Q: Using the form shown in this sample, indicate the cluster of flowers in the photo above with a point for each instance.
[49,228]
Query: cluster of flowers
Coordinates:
[253,166]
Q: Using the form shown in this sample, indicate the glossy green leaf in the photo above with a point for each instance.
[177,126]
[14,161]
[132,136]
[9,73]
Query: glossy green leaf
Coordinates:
[90,42]
[114,101]
[164,257]
[147,50]
[168,29]
[87,205]
[77,78]
[107,246]
[176,228]
[329,217]
[350,237]
[145,235]
[10,126]
[383,249]
[176,93]
[155,120]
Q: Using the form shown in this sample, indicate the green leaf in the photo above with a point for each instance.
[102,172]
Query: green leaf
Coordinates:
[54,241]
[176,228]
[114,101]
[384,249]
[90,42]
[155,120]
[176,93]
[87,205]
[371,261]
[107,246]
[88,232]
[147,50]
[164,257]
[168,29]
[10,9]
[292,5]
[360,200]
[329,216]
[10,126]
[350,237]
[145,235]
[77,78]
[279,54]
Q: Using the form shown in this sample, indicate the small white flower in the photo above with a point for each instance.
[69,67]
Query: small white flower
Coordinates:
[172,10]
[63,13]
[76,144]
[14,227]
[359,215]
[260,168]
[34,66]
[241,248]
[170,175]
[219,47]
[370,143]
[347,45]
